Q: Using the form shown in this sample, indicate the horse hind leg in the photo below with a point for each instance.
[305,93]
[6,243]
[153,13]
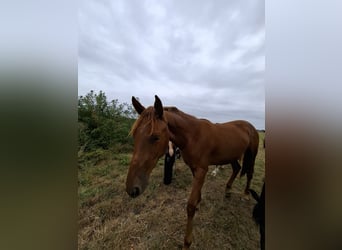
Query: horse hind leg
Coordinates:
[236,169]
[248,183]
[248,168]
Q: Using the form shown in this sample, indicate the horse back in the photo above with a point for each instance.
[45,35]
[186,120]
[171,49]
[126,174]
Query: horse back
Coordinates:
[219,143]
[230,140]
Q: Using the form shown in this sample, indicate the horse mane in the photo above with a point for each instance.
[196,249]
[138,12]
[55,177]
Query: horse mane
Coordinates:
[147,116]
[172,109]
[178,112]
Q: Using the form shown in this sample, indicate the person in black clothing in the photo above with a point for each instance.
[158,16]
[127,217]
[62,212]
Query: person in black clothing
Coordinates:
[170,157]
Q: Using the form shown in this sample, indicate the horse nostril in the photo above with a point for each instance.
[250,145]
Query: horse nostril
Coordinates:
[135,192]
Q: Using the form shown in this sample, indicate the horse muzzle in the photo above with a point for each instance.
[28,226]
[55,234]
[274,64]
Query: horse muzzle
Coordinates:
[137,186]
[135,192]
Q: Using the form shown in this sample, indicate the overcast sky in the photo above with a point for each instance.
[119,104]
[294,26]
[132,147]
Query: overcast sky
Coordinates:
[207,58]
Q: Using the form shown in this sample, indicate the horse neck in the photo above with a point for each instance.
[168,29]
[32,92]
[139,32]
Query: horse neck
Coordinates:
[182,127]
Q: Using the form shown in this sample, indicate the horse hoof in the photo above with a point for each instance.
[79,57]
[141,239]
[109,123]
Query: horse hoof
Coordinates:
[186,246]
[187,243]
[228,194]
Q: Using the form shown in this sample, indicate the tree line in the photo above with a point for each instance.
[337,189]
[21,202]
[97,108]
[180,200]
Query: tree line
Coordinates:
[104,124]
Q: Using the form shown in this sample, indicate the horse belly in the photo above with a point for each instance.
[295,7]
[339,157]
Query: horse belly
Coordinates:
[225,152]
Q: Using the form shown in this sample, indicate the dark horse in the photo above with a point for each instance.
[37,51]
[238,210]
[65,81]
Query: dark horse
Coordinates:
[201,143]
[259,214]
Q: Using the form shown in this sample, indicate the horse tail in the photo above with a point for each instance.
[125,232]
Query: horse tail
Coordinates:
[250,155]
[247,163]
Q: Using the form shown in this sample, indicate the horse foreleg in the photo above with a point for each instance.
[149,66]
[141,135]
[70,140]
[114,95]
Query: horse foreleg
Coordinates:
[236,169]
[194,200]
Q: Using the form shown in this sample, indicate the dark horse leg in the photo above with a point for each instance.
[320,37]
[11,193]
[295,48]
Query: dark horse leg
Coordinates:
[249,178]
[236,169]
[249,172]
[194,199]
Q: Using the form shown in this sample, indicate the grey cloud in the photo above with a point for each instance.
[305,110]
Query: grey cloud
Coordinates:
[206,57]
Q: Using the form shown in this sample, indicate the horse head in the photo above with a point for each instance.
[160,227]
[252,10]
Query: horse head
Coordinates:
[151,135]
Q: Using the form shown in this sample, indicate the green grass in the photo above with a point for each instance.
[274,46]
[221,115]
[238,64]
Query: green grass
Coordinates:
[110,219]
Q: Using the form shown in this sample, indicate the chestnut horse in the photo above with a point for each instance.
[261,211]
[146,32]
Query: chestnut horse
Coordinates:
[201,143]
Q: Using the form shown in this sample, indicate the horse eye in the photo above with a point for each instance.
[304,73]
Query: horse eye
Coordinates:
[154,138]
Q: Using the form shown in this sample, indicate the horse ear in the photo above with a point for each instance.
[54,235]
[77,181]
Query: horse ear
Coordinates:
[137,105]
[158,107]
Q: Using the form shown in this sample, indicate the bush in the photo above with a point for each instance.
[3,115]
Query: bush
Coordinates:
[104,125]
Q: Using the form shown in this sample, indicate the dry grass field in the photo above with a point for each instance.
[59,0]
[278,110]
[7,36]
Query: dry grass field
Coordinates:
[110,219]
